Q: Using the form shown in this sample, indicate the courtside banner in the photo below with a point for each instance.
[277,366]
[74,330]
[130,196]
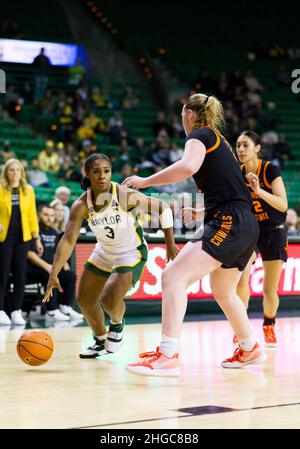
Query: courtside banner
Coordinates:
[149,286]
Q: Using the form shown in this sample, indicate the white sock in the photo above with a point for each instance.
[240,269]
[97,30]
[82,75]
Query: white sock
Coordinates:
[119,322]
[101,337]
[168,345]
[247,344]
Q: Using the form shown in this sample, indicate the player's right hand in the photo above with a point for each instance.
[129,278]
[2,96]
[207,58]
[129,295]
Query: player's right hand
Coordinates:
[52,283]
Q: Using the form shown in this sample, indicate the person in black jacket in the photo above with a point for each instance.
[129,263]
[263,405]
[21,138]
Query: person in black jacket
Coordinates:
[39,267]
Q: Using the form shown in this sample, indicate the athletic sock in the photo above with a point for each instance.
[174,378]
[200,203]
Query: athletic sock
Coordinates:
[101,337]
[247,344]
[269,321]
[119,322]
[168,345]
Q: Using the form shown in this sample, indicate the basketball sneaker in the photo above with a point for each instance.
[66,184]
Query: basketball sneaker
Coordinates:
[17,318]
[270,337]
[4,318]
[242,358]
[69,311]
[155,364]
[95,350]
[56,315]
[114,339]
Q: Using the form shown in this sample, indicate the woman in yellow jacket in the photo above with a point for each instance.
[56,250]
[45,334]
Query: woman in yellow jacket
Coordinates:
[18,225]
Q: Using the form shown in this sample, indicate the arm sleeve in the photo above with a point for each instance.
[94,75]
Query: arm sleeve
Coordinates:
[272,173]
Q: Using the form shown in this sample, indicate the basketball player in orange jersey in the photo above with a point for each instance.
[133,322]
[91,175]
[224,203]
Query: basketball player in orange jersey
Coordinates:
[229,238]
[269,206]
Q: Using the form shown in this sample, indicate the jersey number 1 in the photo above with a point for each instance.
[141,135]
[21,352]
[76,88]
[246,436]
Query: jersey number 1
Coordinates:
[110,234]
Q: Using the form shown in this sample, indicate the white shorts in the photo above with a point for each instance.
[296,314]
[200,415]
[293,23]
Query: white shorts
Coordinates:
[103,263]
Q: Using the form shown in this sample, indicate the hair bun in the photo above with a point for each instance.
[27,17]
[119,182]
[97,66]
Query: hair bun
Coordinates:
[85,183]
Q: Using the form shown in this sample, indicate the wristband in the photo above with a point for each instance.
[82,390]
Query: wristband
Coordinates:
[166,219]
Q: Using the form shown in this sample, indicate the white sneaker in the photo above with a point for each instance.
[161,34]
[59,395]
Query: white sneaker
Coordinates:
[56,315]
[4,319]
[67,310]
[17,318]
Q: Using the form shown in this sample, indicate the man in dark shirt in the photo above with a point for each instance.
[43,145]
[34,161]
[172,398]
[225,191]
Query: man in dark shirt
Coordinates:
[41,64]
[39,268]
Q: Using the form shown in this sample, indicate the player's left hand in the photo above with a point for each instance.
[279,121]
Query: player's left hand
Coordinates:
[136,182]
[172,251]
[254,182]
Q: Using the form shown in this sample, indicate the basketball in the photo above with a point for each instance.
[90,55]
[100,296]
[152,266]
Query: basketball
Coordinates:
[35,348]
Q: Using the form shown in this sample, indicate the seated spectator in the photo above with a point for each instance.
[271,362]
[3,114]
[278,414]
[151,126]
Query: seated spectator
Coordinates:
[282,151]
[283,76]
[95,123]
[59,215]
[251,82]
[85,132]
[63,194]
[39,267]
[65,169]
[76,73]
[116,129]
[292,222]
[97,99]
[48,158]
[7,153]
[27,94]
[129,100]
[36,176]
[161,123]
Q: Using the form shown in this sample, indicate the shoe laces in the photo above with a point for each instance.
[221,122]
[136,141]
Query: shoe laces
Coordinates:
[151,356]
[269,331]
[237,355]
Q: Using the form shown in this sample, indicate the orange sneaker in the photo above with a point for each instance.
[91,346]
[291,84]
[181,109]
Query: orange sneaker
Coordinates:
[242,358]
[155,364]
[270,337]
[235,340]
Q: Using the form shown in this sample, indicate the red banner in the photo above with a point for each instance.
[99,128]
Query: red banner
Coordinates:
[149,286]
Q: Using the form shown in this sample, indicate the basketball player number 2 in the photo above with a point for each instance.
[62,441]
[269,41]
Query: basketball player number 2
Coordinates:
[110,234]
[257,206]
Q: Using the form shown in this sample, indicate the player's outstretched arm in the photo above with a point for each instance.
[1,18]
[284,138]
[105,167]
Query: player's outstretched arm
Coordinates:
[66,245]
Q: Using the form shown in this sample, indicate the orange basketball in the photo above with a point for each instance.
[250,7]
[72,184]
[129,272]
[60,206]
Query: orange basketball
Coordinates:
[35,347]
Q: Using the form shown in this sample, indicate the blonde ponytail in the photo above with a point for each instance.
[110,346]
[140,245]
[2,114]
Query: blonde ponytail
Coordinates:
[209,111]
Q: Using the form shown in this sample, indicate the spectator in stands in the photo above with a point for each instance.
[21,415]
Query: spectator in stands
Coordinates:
[251,82]
[48,158]
[41,64]
[95,123]
[59,215]
[36,176]
[97,99]
[27,94]
[129,100]
[46,105]
[63,194]
[283,77]
[116,129]
[76,73]
[11,101]
[281,151]
[161,123]
[39,267]
[18,225]
[6,153]
[292,222]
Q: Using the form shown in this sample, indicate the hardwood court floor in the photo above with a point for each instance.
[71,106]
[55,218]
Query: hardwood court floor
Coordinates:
[68,392]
